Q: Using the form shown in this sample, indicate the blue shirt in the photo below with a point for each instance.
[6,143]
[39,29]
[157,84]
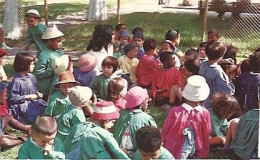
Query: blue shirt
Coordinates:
[84,78]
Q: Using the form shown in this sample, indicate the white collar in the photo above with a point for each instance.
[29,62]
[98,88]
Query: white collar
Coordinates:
[199,108]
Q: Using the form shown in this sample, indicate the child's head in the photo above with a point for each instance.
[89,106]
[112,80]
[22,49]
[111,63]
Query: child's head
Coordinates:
[44,130]
[119,27]
[231,52]
[66,81]
[137,29]
[174,36]
[167,45]
[191,54]
[137,97]
[106,113]
[23,62]
[230,70]
[79,95]
[131,50]
[87,62]
[245,66]
[3,93]
[54,38]
[115,86]
[201,50]
[213,34]
[109,66]
[192,66]
[215,50]
[116,46]
[150,45]
[225,105]
[167,60]
[32,17]
[255,62]
[3,55]
[138,38]
[149,142]
[124,37]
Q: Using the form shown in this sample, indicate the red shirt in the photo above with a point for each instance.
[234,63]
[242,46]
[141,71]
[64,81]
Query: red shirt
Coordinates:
[4,110]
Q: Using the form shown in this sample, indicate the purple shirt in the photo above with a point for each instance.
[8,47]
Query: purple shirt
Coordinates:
[84,78]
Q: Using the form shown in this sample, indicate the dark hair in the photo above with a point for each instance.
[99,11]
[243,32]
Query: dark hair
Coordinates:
[149,44]
[31,15]
[193,52]
[115,86]
[255,62]
[229,69]
[172,34]
[148,139]
[101,37]
[110,61]
[231,52]
[215,32]
[137,29]
[45,125]
[202,44]
[193,66]
[215,49]
[22,62]
[165,56]
[119,26]
[245,66]
[225,102]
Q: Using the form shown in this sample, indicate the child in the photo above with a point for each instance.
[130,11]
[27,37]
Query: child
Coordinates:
[42,144]
[175,37]
[43,70]
[119,27]
[25,101]
[3,98]
[149,144]
[129,61]
[138,38]
[191,54]
[124,38]
[59,101]
[214,35]
[223,107]
[3,55]
[131,119]
[85,73]
[187,127]
[246,84]
[216,78]
[116,48]
[164,79]
[167,45]
[202,55]
[147,65]
[114,89]
[35,31]
[99,84]
[79,96]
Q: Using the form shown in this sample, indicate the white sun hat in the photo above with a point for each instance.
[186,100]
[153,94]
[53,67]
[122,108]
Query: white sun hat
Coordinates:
[196,89]
[52,32]
[60,64]
[79,95]
[33,11]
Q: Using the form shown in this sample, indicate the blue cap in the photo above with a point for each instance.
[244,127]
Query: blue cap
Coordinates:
[129,46]
[124,33]
[138,35]
[3,86]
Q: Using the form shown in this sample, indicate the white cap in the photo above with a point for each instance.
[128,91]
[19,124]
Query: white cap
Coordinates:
[33,11]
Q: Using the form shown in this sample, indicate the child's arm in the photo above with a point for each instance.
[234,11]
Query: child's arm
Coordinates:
[15,96]
[223,85]
[55,150]
[29,40]
[43,68]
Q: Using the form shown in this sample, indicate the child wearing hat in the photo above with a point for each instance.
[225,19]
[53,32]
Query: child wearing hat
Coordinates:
[59,100]
[25,101]
[131,119]
[43,143]
[129,61]
[186,128]
[43,70]
[85,73]
[124,37]
[118,28]
[3,55]
[138,38]
[149,144]
[35,31]
[79,97]
[175,37]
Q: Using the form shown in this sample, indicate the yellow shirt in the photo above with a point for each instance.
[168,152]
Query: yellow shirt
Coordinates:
[129,66]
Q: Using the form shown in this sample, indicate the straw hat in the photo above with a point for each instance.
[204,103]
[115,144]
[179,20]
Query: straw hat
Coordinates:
[60,64]
[52,32]
[66,77]
[33,11]
[135,96]
[87,62]
[196,89]
[105,110]
[79,95]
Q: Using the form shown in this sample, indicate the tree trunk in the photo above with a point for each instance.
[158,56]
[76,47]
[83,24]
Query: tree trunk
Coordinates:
[11,19]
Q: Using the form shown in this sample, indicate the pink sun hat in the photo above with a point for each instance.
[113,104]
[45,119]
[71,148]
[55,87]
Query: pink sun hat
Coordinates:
[135,96]
[87,62]
[105,110]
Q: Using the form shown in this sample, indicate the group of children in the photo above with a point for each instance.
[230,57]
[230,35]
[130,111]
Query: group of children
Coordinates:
[98,111]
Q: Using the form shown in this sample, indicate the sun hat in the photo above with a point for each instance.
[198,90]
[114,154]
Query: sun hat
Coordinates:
[60,64]
[105,110]
[135,96]
[124,33]
[66,77]
[33,11]
[3,52]
[196,89]
[52,32]
[87,62]
[116,44]
[79,95]
[3,86]
[171,34]
[138,35]
[129,46]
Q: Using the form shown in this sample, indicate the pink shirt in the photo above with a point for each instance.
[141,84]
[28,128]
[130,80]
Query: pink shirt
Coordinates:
[182,117]
[164,79]
[146,69]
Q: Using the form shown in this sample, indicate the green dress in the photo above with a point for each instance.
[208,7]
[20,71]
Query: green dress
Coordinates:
[164,154]
[43,70]
[219,126]
[30,150]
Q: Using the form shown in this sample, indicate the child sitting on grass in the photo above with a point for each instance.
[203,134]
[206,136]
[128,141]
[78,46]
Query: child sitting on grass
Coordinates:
[149,144]
[43,143]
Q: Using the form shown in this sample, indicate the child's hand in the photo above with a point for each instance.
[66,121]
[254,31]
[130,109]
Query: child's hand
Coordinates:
[48,148]
[39,95]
